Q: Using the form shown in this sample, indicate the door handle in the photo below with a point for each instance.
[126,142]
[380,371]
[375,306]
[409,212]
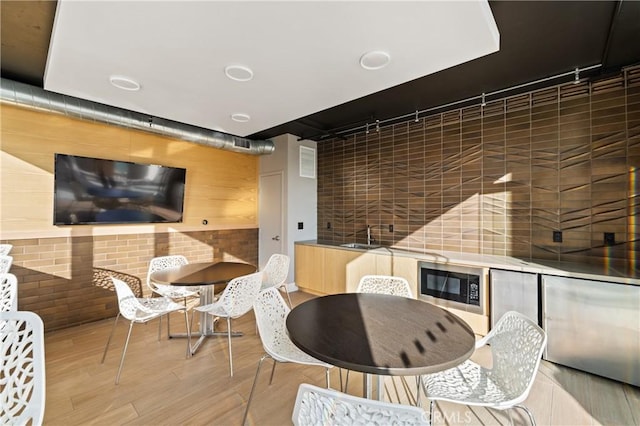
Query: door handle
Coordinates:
[276,238]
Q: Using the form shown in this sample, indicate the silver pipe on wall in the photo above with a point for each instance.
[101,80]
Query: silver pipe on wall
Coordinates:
[24,95]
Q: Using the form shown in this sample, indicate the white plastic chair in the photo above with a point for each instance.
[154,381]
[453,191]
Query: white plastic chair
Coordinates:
[8,292]
[236,300]
[5,263]
[516,348]
[22,372]
[5,249]
[384,284]
[167,262]
[316,406]
[139,311]
[271,314]
[176,293]
[275,273]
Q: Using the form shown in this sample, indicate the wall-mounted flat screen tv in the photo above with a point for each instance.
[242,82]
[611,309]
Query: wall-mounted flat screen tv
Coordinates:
[99,191]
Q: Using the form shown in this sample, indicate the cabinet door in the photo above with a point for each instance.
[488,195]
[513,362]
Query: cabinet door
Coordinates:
[309,268]
[513,291]
[336,264]
[407,268]
[363,263]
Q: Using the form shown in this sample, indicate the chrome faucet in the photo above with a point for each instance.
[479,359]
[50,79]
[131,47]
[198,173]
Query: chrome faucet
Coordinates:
[370,239]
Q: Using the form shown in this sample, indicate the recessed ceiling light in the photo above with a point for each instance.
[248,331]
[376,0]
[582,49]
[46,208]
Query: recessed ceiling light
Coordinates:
[124,83]
[374,60]
[238,72]
[240,117]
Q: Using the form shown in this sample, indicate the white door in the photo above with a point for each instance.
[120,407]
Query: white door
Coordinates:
[271,218]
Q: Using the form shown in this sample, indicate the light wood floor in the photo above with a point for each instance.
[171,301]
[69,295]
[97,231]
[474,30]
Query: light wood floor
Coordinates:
[160,386]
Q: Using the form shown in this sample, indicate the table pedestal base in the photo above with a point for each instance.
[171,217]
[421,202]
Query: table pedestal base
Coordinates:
[197,344]
[207,331]
[366,386]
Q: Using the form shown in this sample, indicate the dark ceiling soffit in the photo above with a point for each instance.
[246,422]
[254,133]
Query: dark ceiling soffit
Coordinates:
[316,127]
[590,72]
[623,42]
[612,28]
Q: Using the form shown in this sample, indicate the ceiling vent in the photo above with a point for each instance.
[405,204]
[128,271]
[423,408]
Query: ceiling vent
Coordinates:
[307,162]
[242,143]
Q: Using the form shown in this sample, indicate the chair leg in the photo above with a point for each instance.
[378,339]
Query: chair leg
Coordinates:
[124,351]
[169,325]
[191,323]
[286,289]
[253,387]
[192,313]
[431,412]
[273,370]
[327,378]
[186,323]
[229,339]
[529,413]
[113,328]
[346,382]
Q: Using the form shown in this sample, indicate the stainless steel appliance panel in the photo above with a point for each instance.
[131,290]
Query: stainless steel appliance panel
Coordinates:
[513,291]
[593,326]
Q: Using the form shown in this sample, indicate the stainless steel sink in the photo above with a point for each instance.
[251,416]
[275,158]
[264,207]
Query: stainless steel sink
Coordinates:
[361,246]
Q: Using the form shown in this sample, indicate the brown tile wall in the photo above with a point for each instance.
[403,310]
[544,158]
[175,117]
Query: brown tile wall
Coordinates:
[497,179]
[55,274]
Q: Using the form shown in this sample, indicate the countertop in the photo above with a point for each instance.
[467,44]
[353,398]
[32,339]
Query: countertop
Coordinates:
[615,273]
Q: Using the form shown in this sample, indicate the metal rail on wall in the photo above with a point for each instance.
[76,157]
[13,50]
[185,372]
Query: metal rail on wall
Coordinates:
[482,98]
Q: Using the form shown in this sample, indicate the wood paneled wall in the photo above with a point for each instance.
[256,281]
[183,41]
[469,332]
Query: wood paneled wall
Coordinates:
[497,179]
[221,185]
[55,264]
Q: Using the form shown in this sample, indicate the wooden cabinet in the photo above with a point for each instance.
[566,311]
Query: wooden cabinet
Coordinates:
[309,268]
[325,270]
[336,264]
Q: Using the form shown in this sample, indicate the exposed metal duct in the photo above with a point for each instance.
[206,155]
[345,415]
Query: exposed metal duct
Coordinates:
[34,97]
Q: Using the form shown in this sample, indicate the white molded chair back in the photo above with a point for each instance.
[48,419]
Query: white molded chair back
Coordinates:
[384,284]
[22,372]
[5,263]
[130,306]
[238,296]
[174,292]
[316,406]
[516,345]
[5,249]
[8,292]
[161,263]
[271,315]
[275,273]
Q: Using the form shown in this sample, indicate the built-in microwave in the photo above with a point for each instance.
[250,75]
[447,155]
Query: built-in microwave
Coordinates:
[455,286]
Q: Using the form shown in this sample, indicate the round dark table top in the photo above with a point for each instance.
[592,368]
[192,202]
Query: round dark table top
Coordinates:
[194,274]
[380,334]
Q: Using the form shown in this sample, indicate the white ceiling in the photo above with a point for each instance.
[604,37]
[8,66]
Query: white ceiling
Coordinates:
[304,54]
